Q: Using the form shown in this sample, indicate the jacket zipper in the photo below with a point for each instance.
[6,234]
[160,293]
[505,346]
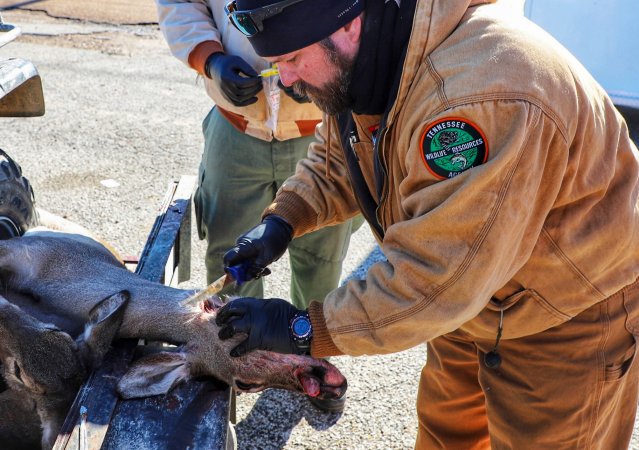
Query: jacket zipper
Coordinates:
[353,138]
[380,161]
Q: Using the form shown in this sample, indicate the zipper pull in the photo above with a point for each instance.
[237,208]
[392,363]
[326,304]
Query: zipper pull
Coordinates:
[353,139]
[492,359]
[373,130]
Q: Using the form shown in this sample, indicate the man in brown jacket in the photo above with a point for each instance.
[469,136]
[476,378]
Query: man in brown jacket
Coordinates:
[502,186]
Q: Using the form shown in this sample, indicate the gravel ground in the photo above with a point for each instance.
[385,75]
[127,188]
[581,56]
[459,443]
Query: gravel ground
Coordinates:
[121,108]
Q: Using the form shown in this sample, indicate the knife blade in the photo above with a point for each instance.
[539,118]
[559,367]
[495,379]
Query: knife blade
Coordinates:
[233,273]
[209,291]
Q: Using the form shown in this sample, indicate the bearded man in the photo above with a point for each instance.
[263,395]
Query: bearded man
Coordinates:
[502,186]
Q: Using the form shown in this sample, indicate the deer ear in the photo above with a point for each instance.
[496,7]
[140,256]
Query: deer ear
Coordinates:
[104,321]
[154,374]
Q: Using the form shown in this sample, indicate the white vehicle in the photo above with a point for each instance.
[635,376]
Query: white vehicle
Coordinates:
[602,34]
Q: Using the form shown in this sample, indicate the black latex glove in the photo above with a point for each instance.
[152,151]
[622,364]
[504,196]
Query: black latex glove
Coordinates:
[266,322]
[237,79]
[262,245]
[294,95]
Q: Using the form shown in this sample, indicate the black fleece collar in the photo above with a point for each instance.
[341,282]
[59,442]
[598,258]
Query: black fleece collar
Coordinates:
[385,36]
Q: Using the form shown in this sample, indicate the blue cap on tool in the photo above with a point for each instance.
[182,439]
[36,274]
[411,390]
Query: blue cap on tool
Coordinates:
[237,273]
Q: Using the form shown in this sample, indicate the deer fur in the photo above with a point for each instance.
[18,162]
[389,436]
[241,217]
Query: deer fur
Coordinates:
[43,367]
[58,282]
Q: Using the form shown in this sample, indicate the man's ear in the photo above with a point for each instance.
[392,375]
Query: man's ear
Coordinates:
[354,28]
[347,38]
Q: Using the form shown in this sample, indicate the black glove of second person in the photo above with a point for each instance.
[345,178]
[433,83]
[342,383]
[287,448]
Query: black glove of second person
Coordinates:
[260,246]
[237,79]
[290,91]
[266,322]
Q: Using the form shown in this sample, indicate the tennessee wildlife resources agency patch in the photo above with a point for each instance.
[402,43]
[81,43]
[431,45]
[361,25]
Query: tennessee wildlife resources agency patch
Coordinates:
[452,145]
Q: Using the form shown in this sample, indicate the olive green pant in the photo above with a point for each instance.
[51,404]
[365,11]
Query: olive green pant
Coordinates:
[238,178]
[573,386]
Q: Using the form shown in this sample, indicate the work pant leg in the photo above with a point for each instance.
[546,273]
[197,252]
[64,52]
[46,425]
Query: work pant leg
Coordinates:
[315,258]
[450,404]
[316,263]
[235,185]
[573,386]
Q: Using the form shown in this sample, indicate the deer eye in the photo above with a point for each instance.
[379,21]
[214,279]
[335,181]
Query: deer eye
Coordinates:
[17,372]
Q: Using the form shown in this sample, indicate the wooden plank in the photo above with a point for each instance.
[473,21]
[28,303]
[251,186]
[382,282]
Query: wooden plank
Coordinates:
[194,415]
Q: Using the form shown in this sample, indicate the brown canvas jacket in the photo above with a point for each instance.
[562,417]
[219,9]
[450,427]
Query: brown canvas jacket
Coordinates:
[540,220]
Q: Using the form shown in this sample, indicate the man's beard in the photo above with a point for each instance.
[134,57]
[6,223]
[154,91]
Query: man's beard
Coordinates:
[332,97]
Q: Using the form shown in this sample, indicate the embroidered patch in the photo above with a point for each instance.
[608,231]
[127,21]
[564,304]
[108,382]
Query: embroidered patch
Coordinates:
[452,145]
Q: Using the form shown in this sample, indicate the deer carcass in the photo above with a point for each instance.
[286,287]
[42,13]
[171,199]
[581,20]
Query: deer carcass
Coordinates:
[61,277]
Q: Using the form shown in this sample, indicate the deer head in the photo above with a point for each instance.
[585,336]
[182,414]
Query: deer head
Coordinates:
[47,365]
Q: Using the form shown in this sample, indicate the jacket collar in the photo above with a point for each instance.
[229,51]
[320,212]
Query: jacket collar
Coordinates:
[435,20]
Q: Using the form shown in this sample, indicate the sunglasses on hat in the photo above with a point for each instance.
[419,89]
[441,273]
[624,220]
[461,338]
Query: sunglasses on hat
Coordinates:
[249,22]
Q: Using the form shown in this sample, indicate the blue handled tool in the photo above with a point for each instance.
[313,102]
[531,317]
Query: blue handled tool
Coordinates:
[237,273]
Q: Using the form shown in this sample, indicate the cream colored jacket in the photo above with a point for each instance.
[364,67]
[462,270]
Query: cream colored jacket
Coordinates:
[194,29]
[546,227]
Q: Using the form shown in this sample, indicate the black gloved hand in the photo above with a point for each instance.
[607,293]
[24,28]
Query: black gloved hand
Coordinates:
[262,245]
[266,322]
[237,79]
[294,95]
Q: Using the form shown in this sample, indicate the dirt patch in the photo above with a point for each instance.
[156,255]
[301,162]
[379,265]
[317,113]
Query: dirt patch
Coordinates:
[110,43]
[39,28]
[108,11]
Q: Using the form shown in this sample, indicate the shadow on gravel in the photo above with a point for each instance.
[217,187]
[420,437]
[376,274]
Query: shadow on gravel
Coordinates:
[359,273]
[274,416]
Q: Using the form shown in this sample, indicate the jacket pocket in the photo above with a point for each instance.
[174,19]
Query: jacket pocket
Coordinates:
[524,313]
[617,370]
[631,305]
[620,358]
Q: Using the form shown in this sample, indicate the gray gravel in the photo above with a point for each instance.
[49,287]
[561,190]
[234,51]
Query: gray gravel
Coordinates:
[120,107]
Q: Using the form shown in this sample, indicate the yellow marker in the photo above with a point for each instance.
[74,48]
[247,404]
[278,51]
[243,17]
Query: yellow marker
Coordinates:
[270,72]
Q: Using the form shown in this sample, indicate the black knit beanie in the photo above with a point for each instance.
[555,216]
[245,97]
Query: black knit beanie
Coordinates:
[300,24]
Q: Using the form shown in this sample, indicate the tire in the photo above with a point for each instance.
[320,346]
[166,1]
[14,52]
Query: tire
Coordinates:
[17,202]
